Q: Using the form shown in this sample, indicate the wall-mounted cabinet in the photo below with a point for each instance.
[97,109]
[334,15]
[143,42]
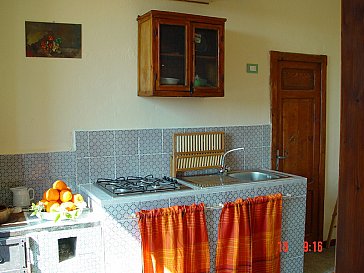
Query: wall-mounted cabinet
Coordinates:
[180,55]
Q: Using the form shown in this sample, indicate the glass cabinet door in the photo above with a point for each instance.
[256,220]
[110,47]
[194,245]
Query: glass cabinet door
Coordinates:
[172,56]
[206,57]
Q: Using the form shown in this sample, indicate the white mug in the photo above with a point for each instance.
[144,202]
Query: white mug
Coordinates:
[21,196]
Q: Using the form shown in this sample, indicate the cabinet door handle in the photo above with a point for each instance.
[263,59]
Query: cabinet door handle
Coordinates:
[191,88]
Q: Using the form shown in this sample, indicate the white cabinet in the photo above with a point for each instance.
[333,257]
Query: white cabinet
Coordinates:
[13,255]
[67,250]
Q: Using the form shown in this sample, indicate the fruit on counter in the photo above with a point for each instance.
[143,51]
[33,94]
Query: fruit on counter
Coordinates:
[51,195]
[65,195]
[77,198]
[59,200]
[68,206]
[60,185]
[52,206]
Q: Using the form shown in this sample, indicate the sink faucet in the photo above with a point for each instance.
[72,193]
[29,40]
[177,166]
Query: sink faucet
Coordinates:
[223,168]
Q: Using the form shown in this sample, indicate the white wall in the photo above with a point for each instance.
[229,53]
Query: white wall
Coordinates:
[42,100]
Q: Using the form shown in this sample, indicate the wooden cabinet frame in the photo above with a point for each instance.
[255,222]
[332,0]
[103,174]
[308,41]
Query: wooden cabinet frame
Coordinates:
[149,57]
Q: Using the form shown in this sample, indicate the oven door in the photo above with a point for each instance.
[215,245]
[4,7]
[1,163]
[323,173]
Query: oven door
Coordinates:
[13,255]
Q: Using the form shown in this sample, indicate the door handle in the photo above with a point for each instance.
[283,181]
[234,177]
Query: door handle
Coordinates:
[280,157]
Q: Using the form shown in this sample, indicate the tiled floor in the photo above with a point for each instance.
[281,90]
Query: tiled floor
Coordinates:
[320,262]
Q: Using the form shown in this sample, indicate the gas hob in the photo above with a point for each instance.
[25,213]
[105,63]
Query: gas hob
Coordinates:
[139,185]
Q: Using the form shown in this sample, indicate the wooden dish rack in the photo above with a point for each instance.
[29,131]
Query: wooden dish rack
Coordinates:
[197,151]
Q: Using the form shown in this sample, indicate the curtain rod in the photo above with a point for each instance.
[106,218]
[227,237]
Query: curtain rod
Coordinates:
[219,206]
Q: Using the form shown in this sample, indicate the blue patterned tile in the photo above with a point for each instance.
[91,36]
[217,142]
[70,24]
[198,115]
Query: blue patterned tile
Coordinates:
[126,142]
[265,190]
[168,139]
[102,167]
[122,236]
[295,239]
[235,160]
[215,129]
[150,141]
[154,204]
[267,135]
[253,158]
[182,201]
[62,164]
[39,185]
[294,265]
[6,195]
[296,188]
[234,137]
[11,168]
[123,211]
[194,130]
[102,143]
[83,171]
[253,136]
[36,166]
[127,166]
[293,213]
[247,192]
[131,227]
[212,199]
[82,144]
[157,165]
[212,220]
[266,158]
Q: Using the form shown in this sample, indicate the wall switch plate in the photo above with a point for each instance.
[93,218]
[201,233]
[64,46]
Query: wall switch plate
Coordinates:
[252,68]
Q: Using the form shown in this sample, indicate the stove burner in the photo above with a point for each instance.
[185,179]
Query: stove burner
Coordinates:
[136,184]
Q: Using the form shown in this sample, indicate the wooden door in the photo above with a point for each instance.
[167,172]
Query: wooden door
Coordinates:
[350,228]
[298,86]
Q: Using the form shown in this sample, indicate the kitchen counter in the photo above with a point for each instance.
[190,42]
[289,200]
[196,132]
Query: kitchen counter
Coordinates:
[64,246]
[120,226]
[34,224]
[100,197]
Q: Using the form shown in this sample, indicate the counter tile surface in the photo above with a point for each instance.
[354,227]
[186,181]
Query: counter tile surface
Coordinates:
[34,224]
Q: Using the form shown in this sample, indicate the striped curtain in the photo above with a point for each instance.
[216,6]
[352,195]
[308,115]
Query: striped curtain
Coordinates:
[249,236]
[174,240]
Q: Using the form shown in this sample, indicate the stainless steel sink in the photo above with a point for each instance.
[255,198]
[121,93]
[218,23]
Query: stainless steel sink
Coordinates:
[229,178]
[252,176]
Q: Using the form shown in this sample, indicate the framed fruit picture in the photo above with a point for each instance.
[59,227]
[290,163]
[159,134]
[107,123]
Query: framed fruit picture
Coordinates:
[53,40]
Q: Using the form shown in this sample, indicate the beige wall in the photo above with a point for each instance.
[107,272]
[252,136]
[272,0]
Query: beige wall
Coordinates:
[43,100]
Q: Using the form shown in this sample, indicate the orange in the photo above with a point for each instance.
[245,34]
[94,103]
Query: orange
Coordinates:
[52,206]
[77,198]
[60,185]
[65,195]
[68,206]
[44,195]
[52,195]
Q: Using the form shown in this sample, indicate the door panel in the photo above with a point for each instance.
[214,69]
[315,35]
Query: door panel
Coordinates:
[298,127]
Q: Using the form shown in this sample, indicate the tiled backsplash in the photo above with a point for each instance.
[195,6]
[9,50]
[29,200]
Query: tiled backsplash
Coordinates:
[114,153]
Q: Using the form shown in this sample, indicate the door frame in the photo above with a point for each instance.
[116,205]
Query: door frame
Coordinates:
[275,57]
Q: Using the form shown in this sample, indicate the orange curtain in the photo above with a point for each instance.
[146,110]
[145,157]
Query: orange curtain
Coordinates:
[249,236]
[174,240]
